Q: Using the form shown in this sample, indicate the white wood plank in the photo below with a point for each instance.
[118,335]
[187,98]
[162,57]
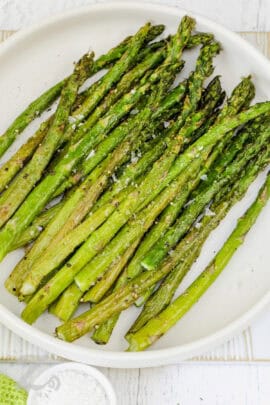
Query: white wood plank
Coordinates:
[238,15]
[186,384]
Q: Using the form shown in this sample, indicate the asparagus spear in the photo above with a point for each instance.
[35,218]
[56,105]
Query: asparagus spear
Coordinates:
[85,196]
[96,293]
[9,169]
[111,77]
[148,215]
[88,275]
[49,96]
[190,247]
[132,124]
[30,175]
[173,235]
[132,230]
[110,202]
[33,231]
[201,38]
[68,271]
[114,74]
[70,298]
[43,192]
[72,240]
[64,167]
[159,325]
[125,296]
[129,79]
[241,96]
[176,48]
[139,166]
[78,205]
[114,269]
[101,236]
[29,114]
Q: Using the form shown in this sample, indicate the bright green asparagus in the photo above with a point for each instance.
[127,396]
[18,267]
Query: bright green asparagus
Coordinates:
[159,325]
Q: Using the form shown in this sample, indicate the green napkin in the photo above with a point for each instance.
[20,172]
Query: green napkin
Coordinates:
[10,392]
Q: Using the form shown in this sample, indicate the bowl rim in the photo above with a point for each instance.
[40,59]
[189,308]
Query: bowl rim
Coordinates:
[100,378]
[155,357]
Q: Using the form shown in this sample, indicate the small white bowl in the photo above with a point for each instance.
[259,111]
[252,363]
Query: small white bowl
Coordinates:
[48,382]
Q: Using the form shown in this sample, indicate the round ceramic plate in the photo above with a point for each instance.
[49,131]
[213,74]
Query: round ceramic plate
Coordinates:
[35,59]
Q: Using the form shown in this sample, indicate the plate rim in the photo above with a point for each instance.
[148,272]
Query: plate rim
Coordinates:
[120,359]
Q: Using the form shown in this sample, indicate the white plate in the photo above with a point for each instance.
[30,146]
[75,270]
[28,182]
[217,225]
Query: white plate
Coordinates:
[36,58]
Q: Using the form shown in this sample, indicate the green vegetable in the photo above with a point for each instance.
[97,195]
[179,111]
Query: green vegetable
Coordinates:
[157,326]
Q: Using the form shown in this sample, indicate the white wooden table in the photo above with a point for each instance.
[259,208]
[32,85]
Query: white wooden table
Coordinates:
[235,373]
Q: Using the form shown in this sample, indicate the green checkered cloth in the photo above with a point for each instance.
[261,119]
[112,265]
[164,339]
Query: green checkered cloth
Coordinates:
[10,392]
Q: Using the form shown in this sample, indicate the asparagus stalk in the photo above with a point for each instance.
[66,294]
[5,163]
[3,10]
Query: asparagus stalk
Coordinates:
[49,96]
[148,215]
[113,271]
[68,302]
[10,168]
[114,74]
[52,181]
[41,301]
[139,166]
[165,70]
[70,242]
[62,220]
[29,176]
[116,302]
[133,229]
[38,198]
[29,114]
[125,296]
[96,293]
[186,220]
[45,296]
[175,45]
[201,38]
[85,196]
[173,235]
[152,59]
[79,204]
[159,325]
[190,247]
[147,32]
[134,124]
[241,96]
[34,230]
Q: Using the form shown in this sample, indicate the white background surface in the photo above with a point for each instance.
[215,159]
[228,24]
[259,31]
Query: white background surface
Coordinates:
[192,382]
[238,15]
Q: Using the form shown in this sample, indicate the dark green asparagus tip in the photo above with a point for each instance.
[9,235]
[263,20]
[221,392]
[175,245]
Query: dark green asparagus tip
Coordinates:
[201,38]
[213,87]
[187,24]
[85,64]
[155,31]
[213,91]
[244,91]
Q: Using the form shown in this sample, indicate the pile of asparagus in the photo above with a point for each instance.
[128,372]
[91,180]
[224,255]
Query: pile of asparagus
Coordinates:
[115,194]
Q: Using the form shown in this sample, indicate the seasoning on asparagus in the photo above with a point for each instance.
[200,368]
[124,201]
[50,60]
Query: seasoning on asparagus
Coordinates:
[45,296]
[189,248]
[157,326]
[31,174]
[241,95]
